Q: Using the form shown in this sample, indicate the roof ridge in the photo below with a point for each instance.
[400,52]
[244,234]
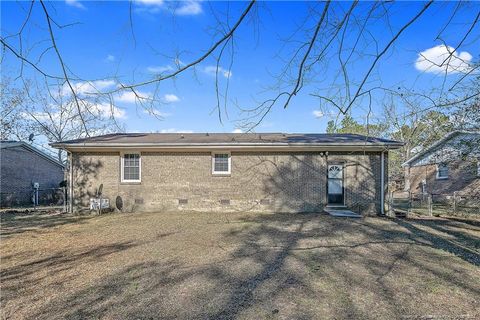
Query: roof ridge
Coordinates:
[444,139]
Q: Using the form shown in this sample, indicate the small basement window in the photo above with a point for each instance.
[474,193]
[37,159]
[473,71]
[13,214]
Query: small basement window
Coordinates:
[221,163]
[131,167]
[442,171]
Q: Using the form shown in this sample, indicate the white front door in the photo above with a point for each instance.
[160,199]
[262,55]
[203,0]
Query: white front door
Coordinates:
[335,189]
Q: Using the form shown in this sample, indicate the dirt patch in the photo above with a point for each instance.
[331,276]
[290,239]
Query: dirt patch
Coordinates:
[268,266]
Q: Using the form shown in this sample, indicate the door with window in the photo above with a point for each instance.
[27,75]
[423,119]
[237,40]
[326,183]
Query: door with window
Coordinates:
[335,189]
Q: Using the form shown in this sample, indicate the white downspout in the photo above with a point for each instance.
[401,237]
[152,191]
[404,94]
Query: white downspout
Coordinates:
[70,193]
[382,184]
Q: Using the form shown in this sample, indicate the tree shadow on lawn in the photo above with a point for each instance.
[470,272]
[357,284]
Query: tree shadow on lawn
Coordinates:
[287,265]
[30,274]
[463,245]
[12,224]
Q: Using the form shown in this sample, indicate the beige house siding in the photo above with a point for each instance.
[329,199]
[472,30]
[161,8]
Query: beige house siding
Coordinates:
[259,181]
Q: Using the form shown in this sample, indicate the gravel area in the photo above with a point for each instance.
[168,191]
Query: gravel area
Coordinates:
[237,266]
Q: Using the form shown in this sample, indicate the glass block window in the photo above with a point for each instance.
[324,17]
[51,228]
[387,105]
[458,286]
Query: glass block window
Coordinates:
[442,171]
[221,163]
[131,167]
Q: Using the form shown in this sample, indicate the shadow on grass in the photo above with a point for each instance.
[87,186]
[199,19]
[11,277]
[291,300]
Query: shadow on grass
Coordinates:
[12,224]
[462,245]
[282,265]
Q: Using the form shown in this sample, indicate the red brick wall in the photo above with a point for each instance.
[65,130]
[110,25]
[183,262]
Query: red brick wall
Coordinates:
[462,178]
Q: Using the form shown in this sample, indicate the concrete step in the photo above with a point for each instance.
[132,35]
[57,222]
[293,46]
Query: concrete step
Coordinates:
[342,213]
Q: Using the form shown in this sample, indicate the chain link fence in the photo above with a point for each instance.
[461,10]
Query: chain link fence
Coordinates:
[35,198]
[453,204]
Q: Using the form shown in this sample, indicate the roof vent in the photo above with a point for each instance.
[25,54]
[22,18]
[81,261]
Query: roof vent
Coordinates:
[182,136]
[207,134]
[233,138]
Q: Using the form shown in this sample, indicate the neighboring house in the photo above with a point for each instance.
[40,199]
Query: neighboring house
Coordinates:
[451,164]
[21,166]
[230,172]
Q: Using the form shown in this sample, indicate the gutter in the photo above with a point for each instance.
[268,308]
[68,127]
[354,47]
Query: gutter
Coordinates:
[220,145]
[70,193]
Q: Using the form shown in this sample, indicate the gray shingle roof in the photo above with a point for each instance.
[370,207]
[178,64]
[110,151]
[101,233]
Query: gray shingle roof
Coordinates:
[5,144]
[472,136]
[162,139]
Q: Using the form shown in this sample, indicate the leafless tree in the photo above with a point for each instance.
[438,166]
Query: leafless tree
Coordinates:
[51,113]
[334,55]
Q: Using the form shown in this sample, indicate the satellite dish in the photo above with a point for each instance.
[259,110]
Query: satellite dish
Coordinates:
[30,137]
[99,191]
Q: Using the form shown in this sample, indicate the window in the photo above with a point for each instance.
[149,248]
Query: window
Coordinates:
[131,167]
[442,171]
[221,163]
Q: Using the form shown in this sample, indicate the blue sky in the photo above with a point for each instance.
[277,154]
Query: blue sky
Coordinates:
[101,46]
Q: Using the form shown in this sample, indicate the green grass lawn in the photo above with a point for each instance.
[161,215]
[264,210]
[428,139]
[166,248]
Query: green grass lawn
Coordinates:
[260,266]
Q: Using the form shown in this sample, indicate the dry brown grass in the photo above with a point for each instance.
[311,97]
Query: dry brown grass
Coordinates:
[192,265]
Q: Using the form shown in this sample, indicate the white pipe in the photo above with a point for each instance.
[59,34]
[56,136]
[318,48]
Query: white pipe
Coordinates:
[382,184]
[70,193]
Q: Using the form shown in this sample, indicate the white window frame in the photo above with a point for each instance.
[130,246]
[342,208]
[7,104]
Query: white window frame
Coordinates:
[222,173]
[438,177]
[122,163]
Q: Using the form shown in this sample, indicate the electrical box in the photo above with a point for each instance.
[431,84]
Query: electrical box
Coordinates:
[36,185]
[97,203]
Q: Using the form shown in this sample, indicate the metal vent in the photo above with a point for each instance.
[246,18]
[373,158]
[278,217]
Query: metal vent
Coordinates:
[182,201]
[225,202]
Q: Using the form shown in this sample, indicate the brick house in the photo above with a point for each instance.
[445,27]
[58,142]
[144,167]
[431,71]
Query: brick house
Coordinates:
[230,172]
[452,164]
[22,165]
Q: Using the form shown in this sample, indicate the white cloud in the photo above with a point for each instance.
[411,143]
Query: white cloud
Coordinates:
[160,69]
[173,130]
[100,110]
[212,70]
[108,109]
[237,131]
[155,3]
[110,58]
[131,97]
[170,98]
[318,114]
[88,87]
[156,113]
[441,59]
[75,3]
[182,8]
[189,8]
